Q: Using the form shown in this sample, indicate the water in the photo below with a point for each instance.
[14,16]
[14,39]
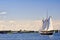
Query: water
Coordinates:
[29,36]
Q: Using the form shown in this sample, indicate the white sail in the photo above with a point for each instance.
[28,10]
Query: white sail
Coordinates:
[47,24]
[50,24]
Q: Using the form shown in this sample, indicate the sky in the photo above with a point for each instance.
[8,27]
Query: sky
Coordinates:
[29,9]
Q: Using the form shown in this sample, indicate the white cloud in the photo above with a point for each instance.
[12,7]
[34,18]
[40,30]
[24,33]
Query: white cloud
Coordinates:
[3,13]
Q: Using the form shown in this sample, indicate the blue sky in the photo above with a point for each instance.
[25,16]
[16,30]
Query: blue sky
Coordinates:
[29,9]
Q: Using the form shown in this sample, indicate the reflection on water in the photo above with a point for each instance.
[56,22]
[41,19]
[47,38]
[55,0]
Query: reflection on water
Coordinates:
[28,36]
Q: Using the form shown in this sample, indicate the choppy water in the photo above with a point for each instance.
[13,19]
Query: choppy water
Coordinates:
[29,36]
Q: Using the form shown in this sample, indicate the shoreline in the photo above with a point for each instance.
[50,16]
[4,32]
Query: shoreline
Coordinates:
[12,32]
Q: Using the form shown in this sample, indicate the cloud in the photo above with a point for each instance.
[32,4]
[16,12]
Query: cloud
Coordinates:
[3,13]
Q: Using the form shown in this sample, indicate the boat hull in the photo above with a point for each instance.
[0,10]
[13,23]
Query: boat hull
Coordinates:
[46,32]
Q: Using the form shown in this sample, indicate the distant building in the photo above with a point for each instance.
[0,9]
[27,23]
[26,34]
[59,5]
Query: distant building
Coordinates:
[34,25]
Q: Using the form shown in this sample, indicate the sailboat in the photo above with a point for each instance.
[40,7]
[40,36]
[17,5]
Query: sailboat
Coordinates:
[47,26]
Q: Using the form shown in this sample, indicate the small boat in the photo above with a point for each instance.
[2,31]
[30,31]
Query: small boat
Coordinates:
[47,27]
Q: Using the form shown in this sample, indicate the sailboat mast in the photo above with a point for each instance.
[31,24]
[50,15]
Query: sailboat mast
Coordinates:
[47,14]
[47,19]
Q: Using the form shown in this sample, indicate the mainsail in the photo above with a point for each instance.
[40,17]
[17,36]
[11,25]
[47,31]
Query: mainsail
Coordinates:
[47,24]
[50,23]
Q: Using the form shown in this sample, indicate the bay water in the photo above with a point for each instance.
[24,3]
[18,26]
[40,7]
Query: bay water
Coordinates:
[29,36]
